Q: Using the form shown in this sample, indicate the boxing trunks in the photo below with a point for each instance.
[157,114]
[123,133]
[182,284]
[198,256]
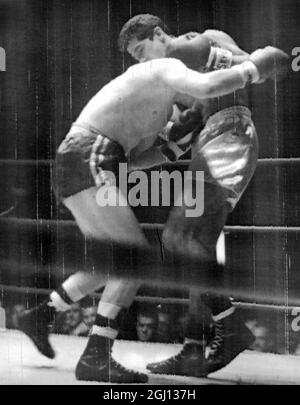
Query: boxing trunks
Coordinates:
[227,149]
[83,160]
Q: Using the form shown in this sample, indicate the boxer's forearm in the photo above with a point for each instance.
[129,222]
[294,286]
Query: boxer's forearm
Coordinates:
[224,41]
[209,85]
[238,59]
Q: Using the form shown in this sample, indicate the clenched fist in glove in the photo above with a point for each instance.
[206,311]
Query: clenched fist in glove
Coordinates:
[263,64]
[271,63]
[179,136]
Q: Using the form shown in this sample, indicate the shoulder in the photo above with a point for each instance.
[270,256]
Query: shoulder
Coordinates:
[155,65]
[157,69]
[165,65]
[162,65]
[216,35]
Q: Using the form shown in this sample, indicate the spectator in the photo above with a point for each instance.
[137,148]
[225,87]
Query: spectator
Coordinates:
[2,317]
[180,328]
[73,318]
[252,325]
[263,339]
[164,327]
[146,325]
[16,311]
[89,316]
[70,322]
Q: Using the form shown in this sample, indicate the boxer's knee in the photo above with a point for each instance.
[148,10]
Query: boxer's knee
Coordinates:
[179,238]
[197,237]
[120,292]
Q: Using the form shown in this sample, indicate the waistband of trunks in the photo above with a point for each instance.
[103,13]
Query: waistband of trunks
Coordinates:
[87,127]
[96,132]
[229,112]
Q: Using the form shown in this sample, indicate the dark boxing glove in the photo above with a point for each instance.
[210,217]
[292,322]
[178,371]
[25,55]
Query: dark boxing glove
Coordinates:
[179,136]
[271,63]
[263,64]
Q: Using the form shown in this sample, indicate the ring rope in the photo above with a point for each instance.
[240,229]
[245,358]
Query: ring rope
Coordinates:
[8,211]
[237,294]
[50,223]
[156,300]
[45,162]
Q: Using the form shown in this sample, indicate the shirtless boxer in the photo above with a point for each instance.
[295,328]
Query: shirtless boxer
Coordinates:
[130,110]
[226,150]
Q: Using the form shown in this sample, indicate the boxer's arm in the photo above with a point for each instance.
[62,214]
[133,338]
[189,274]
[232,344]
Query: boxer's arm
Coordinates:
[269,62]
[174,141]
[199,51]
[225,41]
[201,86]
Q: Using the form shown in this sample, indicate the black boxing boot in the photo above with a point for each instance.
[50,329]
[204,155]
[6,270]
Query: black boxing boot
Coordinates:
[97,364]
[231,338]
[189,361]
[35,324]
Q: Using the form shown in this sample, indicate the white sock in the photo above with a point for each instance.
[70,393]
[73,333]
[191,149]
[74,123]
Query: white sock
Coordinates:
[58,303]
[223,315]
[194,341]
[106,324]
[80,284]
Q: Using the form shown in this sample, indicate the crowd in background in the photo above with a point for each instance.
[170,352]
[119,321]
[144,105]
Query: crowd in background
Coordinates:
[165,324]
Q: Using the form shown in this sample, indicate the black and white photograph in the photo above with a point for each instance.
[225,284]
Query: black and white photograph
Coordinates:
[150,195]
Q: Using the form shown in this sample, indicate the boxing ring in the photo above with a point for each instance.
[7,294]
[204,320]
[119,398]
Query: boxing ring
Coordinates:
[20,363]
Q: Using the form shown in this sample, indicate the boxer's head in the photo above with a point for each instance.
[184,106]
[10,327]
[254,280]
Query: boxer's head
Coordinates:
[145,37]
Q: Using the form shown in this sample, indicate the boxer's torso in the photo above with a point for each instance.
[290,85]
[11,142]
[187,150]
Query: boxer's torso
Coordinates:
[194,60]
[131,108]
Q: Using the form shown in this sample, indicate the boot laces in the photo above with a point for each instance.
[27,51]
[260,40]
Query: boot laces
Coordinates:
[219,337]
[178,357]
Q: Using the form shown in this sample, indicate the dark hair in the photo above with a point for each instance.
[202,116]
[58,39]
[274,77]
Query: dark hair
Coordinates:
[140,26]
[147,311]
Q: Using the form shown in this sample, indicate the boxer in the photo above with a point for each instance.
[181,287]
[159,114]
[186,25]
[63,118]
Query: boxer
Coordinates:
[102,137]
[226,150]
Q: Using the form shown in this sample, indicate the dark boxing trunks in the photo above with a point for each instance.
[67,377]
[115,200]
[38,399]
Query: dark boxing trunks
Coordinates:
[82,160]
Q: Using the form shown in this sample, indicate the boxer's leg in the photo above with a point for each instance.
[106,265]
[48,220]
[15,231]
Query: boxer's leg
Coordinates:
[228,161]
[35,322]
[118,224]
[108,223]
[113,223]
[240,158]
[117,296]
[196,237]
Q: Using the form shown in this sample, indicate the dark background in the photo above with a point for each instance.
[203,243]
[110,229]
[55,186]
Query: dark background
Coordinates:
[59,53]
